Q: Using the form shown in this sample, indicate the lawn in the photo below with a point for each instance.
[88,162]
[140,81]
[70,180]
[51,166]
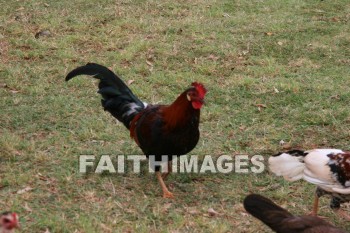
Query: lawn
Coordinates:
[275,70]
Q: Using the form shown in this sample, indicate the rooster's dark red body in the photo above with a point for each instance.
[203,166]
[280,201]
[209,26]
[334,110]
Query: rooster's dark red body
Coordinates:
[167,130]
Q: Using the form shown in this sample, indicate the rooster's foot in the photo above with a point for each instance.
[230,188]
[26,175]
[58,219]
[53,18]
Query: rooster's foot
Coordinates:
[169,195]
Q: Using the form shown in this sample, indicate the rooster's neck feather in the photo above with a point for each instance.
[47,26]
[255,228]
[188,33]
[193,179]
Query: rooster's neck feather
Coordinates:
[180,112]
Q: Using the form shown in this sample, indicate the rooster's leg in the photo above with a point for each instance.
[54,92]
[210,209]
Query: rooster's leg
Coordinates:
[170,169]
[315,206]
[335,206]
[342,214]
[166,192]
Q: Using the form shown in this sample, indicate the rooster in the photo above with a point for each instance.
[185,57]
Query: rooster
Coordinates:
[8,222]
[281,221]
[157,129]
[329,169]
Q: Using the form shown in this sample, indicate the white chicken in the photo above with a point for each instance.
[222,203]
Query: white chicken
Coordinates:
[329,169]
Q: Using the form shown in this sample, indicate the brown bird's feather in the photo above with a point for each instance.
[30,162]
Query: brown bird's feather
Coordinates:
[281,221]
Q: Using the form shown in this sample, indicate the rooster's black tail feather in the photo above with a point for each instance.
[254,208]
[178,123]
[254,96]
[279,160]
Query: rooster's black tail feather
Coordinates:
[117,97]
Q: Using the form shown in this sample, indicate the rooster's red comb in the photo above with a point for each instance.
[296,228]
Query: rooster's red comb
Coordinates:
[200,88]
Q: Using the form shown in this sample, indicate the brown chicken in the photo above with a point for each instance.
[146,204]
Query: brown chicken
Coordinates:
[281,221]
[8,222]
[157,129]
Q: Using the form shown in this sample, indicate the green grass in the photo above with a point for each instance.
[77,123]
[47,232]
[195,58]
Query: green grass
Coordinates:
[242,50]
